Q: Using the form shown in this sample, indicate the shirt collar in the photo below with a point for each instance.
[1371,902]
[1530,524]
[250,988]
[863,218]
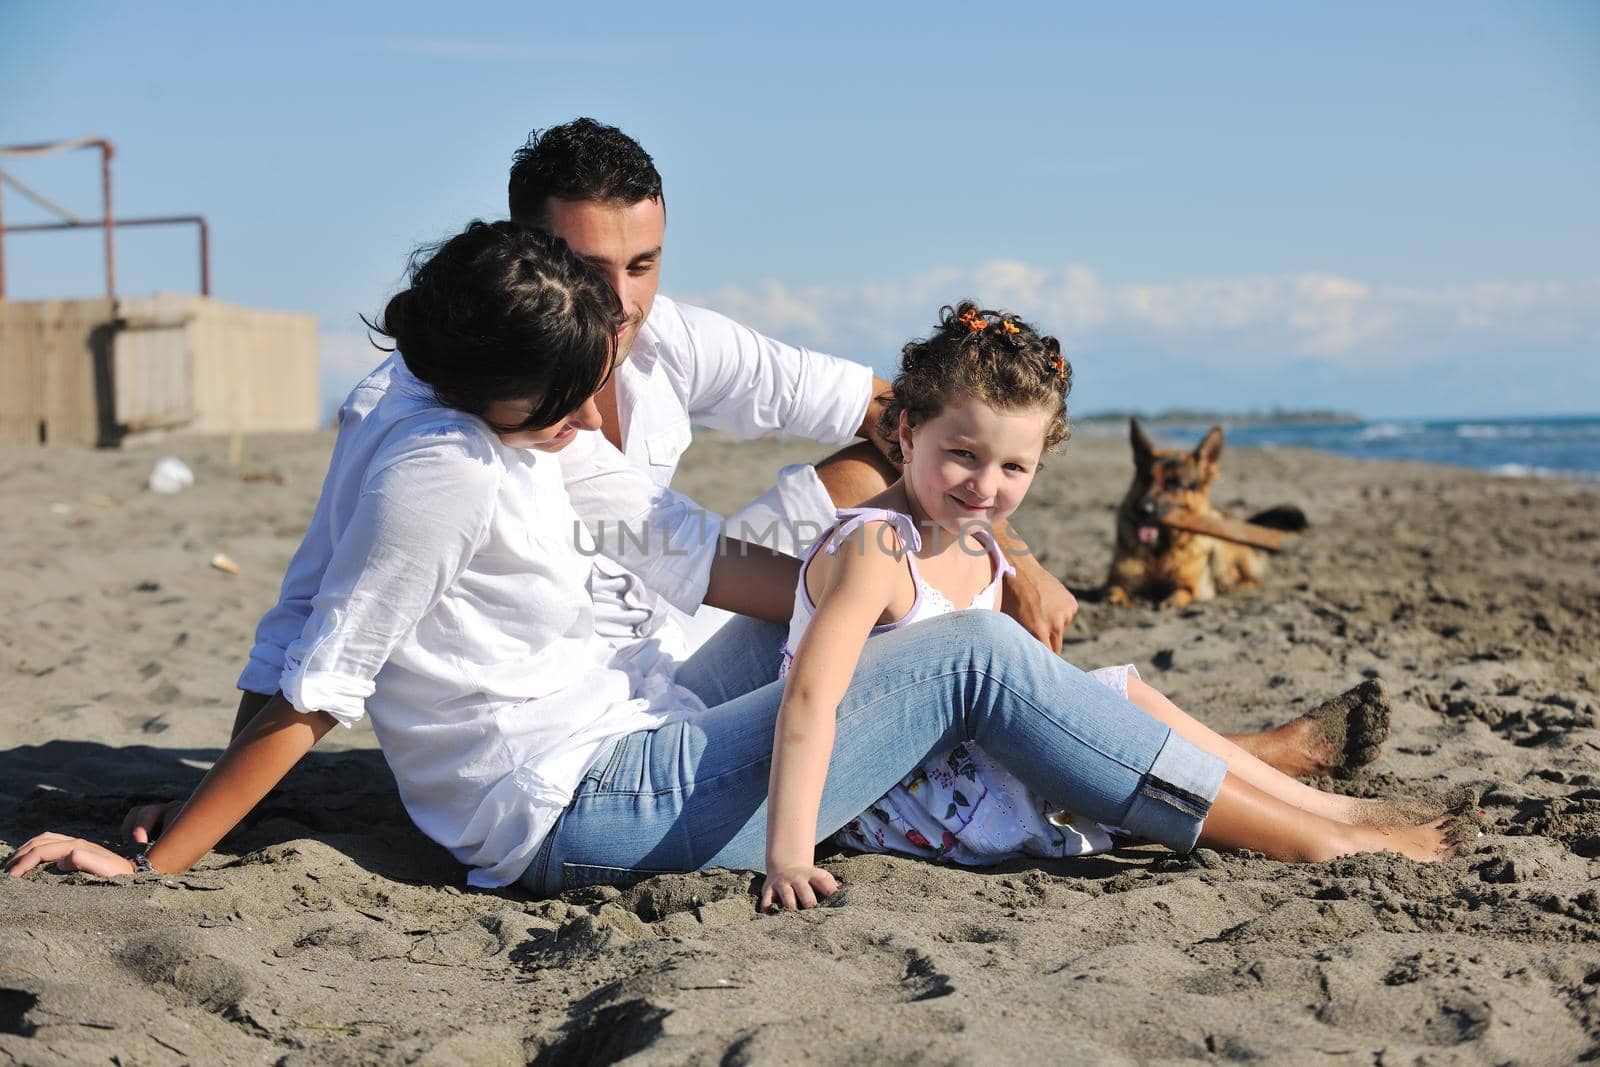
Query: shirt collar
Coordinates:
[646,348]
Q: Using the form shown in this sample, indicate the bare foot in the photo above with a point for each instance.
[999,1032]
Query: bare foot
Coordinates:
[1410,811]
[1430,842]
[1338,738]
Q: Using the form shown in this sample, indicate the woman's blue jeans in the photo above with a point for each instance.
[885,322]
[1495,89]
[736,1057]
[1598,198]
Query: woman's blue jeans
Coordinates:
[693,794]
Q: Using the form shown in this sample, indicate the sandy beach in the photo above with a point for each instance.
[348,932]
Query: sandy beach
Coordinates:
[328,930]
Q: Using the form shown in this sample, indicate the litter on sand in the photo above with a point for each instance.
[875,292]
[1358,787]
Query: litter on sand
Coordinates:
[170,475]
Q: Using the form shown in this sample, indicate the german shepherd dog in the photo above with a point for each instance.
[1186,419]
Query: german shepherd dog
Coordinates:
[1178,567]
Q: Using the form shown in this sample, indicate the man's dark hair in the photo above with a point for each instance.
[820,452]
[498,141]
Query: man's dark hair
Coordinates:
[505,311]
[579,160]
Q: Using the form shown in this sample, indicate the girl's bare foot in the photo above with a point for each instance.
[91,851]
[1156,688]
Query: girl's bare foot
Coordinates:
[1410,811]
[1244,816]
[1338,738]
[1429,842]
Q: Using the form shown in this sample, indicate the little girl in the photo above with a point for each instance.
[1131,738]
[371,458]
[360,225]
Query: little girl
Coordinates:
[973,409]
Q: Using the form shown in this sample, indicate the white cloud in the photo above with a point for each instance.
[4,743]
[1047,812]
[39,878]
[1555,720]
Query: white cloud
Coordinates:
[1229,343]
[1230,321]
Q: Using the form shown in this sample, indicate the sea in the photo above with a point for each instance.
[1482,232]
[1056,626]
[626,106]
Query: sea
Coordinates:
[1566,446]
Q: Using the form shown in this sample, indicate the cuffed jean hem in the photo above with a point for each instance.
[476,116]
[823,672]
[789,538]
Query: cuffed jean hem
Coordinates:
[1175,796]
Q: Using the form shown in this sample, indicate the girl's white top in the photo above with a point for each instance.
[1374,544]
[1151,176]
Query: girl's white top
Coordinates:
[899,536]
[454,609]
[958,805]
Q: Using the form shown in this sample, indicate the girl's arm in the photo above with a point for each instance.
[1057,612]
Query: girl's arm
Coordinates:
[254,762]
[859,587]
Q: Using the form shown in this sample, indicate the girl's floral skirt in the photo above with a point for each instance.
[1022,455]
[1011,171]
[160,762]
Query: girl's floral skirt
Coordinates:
[960,806]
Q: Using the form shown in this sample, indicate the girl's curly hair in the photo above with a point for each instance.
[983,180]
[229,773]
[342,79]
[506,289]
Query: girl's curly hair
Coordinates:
[978,352]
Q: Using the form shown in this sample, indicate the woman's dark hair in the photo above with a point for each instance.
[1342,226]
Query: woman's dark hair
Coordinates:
[976,352]
[505,311]
[579,160]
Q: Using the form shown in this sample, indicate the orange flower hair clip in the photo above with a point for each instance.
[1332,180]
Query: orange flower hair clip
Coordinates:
[1010,327]
[1059,365]
[973,321]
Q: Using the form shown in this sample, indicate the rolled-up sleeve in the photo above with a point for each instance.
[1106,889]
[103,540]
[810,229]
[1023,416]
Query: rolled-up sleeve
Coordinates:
[423,512]
[663,537]
[747,384]
[278,627]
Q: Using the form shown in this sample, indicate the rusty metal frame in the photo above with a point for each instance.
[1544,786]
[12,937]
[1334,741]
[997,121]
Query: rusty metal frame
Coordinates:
[153,220]
[107,221]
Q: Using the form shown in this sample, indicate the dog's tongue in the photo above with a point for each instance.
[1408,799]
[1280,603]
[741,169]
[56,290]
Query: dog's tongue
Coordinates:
[1148,535]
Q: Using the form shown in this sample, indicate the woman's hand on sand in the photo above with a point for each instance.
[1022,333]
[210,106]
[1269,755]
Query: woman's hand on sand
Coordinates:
[144,824]
[68,854]
[796,887]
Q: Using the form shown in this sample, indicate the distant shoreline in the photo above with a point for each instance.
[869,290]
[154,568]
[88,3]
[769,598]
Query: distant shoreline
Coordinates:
[1187,417]
[1555,446]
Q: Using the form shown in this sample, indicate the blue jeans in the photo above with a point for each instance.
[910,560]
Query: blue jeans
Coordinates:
[693,794]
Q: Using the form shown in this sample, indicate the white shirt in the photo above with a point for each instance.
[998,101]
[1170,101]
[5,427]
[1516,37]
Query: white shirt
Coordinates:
[453,609]
[691,366]
[602,485]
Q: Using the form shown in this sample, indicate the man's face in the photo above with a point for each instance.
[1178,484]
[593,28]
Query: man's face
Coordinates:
[624,242]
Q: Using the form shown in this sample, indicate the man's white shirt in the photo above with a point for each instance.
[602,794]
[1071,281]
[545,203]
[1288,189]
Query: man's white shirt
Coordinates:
[690,366]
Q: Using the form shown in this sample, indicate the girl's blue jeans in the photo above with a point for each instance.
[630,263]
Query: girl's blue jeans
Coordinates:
[693,794]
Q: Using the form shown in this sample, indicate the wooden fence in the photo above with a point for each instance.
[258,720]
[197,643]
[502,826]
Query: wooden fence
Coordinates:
[97,372]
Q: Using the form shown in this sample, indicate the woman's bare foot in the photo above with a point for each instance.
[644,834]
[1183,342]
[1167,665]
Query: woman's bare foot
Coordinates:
[1338,738]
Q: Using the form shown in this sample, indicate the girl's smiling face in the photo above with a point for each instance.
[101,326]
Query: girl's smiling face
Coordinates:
[552,438]
[972,461]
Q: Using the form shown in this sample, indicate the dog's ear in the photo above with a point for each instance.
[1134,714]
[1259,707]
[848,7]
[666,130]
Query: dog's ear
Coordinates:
[1143,450]
[1210,449]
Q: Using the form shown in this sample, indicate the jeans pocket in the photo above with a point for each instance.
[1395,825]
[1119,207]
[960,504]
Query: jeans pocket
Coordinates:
[583,875]
[602,774]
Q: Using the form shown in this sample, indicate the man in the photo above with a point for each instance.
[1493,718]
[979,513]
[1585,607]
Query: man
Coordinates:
[678,365]
[597,188]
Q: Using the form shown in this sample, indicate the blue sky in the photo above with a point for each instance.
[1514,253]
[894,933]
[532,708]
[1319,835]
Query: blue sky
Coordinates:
[1384,208]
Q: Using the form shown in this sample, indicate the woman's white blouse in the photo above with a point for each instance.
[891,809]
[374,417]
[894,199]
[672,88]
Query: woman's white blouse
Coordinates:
[454,610]
[673,546]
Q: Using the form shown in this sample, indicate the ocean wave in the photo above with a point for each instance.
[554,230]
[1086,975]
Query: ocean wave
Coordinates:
[1385,431]
[1523,470]
[1525,432]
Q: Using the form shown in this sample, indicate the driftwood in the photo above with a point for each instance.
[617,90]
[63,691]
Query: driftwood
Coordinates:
[1244,533]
